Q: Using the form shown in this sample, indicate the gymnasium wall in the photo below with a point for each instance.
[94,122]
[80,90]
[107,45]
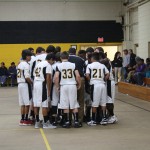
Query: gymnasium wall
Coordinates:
[59,10]
[24,24]
[144,30]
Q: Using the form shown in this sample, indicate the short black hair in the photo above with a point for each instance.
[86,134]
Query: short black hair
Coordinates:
[50,56]
[95,56]
[58,49]
[147,59]
[72,50]
[31,49]
[50,49]
[12,63]
[39,50]
[125,50]
[102,55]
[57,56]
[100,49]
[89,50]
[81,52]
[3,63]
[64,55]
[26,53]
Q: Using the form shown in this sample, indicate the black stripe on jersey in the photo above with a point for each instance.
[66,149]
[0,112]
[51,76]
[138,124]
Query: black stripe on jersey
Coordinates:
[109,88]
[52,87]
[44,92]
[44,73]
[90,73]
[92,91]
[24,76]
[32,69]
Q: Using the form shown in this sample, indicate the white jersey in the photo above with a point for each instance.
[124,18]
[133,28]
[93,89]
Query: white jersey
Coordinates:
[33,58]
[38,59]
[97,72]
[41,70]
[67,73]
[54,66]
[23,72]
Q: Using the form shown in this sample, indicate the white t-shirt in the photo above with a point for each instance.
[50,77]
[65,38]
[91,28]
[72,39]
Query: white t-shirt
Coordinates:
[67,73]
[41,70]
[97,72]
[23,72]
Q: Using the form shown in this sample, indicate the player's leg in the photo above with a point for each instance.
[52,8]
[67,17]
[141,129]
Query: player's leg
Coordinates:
[45,106]
[110,105]
[103,102]
[27,100]
[95,96]
[37,101]
[64,104]
[21,104]
[74,105]
[54,103]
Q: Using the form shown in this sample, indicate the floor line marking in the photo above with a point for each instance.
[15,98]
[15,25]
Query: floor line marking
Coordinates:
[133,105]
[45,139]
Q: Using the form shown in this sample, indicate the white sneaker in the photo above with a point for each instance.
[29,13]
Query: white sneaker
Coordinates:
[47,125]
[91,123]
[104,121]
[112,119]
[37,125]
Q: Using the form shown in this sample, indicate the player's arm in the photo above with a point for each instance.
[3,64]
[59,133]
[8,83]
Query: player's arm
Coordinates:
[49,78]
[78,79]
[27,74]
[56,78]
[88,73]
[48,82]
[107,74]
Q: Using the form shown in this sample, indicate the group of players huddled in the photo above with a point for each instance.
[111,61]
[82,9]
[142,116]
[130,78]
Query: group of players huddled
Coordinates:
[70,88]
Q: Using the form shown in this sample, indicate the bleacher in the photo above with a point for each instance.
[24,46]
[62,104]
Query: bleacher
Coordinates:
[141,92]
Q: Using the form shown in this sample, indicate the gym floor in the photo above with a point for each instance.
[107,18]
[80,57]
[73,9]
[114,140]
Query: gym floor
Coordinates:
[130,133]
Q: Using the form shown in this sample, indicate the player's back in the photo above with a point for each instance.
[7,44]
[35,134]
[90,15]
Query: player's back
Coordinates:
[38,59]
[22,71]
[97,72]
[41,70]
[67,71]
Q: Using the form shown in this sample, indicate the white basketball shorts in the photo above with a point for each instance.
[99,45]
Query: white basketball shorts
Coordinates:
[68,97]
[24,94]
[98,95]
[40,94]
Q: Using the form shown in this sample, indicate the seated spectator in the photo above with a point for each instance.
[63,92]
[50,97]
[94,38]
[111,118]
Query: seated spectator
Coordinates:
[132,61]
[140,72]
[3,74]
[148,68]
[131,71]
[13,73]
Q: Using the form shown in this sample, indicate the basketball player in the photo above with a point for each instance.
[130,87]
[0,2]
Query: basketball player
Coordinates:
[110,86]
[97,73]
[41,90]
[55,96]
[69,83]
[24,86]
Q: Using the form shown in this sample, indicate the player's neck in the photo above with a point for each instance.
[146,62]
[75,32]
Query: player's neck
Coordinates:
[64,60]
